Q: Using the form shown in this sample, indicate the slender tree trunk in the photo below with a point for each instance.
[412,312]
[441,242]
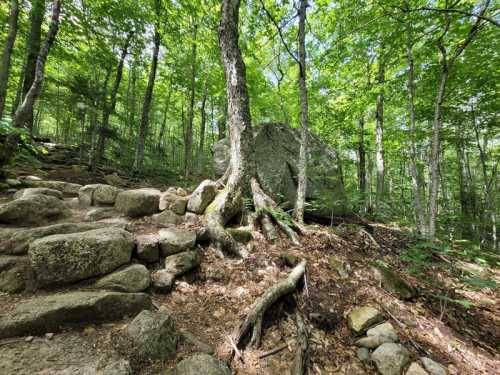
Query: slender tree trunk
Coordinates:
[25,110]
[362,164]
[221,124]
[7,52]
[379,132]
[139,156]
[203,113]
[302,165]
[188,150]
[165,118]
[133,103]
[109,109]
[415,183]
[33,48]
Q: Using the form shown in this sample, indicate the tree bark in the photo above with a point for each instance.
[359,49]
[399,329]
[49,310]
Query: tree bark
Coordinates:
[415,183]
[5,60]
[188,150]
[362,163]
[25,110]
[148,96]
[203,113]
[379,131]
[33,48]
[98,153]
[302,164]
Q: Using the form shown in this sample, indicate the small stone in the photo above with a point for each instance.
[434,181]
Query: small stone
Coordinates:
[416,369]
[391,358]
[363,354]
[29,339]
[202,197]
[162,281]
[372,342]
[433,367]
[49,335]
[201,364]
[394,283]
[339,266]
[385,330]
[362,318]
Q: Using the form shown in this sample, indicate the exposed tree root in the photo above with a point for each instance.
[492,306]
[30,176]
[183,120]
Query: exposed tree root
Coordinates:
[299,362]
[254,318]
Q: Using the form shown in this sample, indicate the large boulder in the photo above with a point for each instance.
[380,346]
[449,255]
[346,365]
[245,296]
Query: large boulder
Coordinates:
[100,213]
[132,279]
[203,195]
[173,240]
[277,151]
[173,202]
[17,243]
[153,334]
[166,218]
[63,259]
[32,209]
[391,358]
[67,188]
[147,248]
[181,263]
[201,363]
[139,202]
[38,191]
[13,273]
[48,313]
[98,195]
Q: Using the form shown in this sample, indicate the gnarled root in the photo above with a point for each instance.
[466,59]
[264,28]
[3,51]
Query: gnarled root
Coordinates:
[255,316]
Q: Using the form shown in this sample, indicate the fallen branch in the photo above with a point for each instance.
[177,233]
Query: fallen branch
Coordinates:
[254,318]
[277,349]
[299,362]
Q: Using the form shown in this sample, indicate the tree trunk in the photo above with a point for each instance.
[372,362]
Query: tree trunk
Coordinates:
[109,109]
[379,132]
[362,164]
[25,110]
[302,164]
[164,121]
[139,156]
[203,113]
[6,54]
[415,183]
[188,150]
[33,48]
[221,124]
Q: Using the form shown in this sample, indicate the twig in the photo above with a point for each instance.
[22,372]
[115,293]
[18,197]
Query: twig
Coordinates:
[401,325]
[277,349]
[235,348]
[371,238]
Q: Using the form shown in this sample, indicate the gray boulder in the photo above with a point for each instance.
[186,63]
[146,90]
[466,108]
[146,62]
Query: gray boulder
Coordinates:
[166,218]
[98,195]
[100,213]
[147,248]
[139,202]
[433,367]
[13,274]
[17,243]
[173,202]
[361,318]
[153,334]
[201,363]
[181,263]
[277,150]
[162,281]
[416,369]
[38,191]
[395,283]
[63,259]
[391,358]
[132,279]
[203,195]
[67,188]
[173,240]
[32,209]
[48,313]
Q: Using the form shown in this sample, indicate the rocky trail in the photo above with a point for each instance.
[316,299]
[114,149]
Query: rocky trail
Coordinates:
[118,278]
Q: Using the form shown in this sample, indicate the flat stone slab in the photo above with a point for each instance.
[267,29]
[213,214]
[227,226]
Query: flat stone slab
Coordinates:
[48,313]
[362,318]
[173,240]
[138,202]
[32,209]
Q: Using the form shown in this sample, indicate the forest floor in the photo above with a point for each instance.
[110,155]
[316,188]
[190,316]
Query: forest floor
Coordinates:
[455,319]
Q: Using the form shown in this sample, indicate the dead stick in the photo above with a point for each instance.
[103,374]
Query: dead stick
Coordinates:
[275,350]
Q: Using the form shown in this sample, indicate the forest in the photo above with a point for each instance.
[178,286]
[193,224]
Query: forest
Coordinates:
[305,169]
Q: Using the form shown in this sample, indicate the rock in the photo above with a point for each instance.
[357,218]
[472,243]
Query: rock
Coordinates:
[201,363]
[173,202]
[13,182]
[195,341]
[391,358]
[202,235]
[191,218]
[173,240]
[38,191]
[100,213]
[241,235]
[181,263]
[362,318]
[153,334]
[66,258]
[17,243]
[394,283]
[13,273]
[277,150]
[181,192]
[147,248]
[384,330]
[114,179]
[48,313]
[372,342]
[290,259]
[32,209]
[416,369]
[162,281]
[433,367]
[97,195]
[132,279]
[66,188]
[166,218]
[203,195]
[339,266]
[363,354]
[139,202]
